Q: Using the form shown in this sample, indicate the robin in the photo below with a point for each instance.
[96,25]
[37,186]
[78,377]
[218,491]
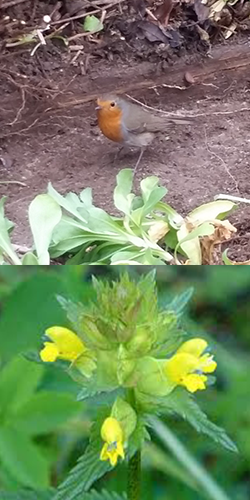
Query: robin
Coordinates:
[130,124]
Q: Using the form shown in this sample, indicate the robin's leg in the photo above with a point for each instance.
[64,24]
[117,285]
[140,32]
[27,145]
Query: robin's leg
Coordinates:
[139,159]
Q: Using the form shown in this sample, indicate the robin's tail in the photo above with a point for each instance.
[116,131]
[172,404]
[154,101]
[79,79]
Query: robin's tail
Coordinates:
[180,120]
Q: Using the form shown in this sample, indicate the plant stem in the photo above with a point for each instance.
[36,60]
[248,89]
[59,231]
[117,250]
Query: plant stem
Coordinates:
[134,476]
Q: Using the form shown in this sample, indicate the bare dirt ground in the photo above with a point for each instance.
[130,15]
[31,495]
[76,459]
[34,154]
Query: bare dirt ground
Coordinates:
[49,132]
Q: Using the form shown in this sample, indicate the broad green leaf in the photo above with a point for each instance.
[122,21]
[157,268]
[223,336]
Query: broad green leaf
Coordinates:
[5,244]
[208,485]
[183,404]
[123,198]
[152,193]
[28,311]
[212,210]
[86,197]
[18,380]
[92,24]
[67,204]
[189,240]
[44,215]
[45,411]
[30,259]
[23,459]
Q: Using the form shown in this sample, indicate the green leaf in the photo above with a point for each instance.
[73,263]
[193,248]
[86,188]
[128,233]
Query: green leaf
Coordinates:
[183,404]
[212,210]
[226,260]
[23,459]
[189,241]
[34,303]
[178,304]
[44,215]
[5,244]
[102,495]
[207,484]
[88,469]
[26,495]
[138,438]
[92,24]
[71,206]
[123,198]
[151,193]
[18,381]
[30,259]
[45,411]
[125,414]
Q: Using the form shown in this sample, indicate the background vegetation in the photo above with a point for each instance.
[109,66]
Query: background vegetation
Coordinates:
[43,430]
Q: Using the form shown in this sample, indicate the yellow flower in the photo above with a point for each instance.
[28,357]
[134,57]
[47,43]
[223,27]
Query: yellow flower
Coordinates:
[188,365]
[65,345]
[112,434]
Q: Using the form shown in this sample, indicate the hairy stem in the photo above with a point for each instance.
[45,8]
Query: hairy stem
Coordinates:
[134,476]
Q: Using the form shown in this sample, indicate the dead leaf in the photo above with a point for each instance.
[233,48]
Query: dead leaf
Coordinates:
[211,245]
[203,34]
[158,230]
[163,12]
[201,10]
[152,32]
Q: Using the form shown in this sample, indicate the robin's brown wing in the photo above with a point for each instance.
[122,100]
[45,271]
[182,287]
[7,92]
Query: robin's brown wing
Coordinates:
[137,120]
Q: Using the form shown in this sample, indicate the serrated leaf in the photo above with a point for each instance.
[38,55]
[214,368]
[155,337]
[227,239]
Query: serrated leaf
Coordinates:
[182,403]
[26,495]
[178,304]
[88,469]
[102,495]
[44,214]
[23,459]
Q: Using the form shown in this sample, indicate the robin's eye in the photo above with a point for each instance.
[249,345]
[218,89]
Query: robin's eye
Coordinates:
[112,104]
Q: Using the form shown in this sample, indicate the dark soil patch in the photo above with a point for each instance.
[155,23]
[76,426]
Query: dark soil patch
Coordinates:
[45,138]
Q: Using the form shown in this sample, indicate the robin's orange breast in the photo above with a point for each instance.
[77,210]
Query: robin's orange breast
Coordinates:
[110,125]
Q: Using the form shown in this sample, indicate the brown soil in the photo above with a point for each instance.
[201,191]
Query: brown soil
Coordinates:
[47,136]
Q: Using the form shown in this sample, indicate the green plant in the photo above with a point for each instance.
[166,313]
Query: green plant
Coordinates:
[145,233]
[149,231]
[130,353]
